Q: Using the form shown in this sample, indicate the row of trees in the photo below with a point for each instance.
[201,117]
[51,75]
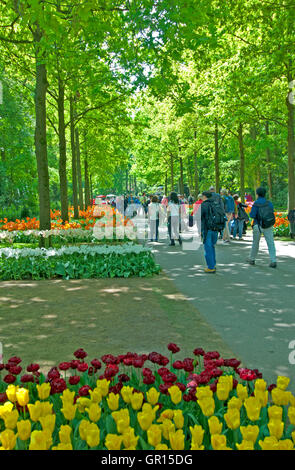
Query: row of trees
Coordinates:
[127,94]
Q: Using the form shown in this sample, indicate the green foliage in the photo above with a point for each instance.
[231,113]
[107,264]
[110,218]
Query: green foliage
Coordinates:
[78,266]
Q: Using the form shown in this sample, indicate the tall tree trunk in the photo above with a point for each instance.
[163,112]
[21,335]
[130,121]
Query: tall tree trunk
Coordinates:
[181,182]
[242,162]
[268,162]
[74,160]
[41,139]
[166,183]
[127,178]
[291,145]
[172,172]
[196,172]
[63,182]
[86,175]
[79,172]
[216,158]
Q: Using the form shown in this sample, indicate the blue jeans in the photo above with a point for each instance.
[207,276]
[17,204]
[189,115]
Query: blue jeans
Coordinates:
[209,248]
[238,228]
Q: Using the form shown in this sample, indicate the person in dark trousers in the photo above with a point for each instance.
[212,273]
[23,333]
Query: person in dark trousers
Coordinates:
[291,218]
[210,237]
[173,215]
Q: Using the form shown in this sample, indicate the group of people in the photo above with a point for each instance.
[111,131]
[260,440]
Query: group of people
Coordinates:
[222,215]
[219,215]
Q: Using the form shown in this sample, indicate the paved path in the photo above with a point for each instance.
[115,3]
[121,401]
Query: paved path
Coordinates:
[251,307]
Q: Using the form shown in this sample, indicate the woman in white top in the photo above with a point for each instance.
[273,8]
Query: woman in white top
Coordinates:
[173,212]
[153,218]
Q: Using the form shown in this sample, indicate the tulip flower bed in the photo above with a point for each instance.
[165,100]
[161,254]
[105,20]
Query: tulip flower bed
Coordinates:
[77,262]
[146,401]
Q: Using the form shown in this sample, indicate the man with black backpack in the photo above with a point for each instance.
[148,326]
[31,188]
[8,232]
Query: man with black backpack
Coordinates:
[213,220]
[263,216]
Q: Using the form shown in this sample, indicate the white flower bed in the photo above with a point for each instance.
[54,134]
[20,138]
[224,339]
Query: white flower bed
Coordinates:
[86,250]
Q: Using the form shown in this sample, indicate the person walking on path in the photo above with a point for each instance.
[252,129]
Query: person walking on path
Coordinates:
[153,218]
[291,218]
[240,217]
[262,213]
[209,236]
[173,215]
[229,207]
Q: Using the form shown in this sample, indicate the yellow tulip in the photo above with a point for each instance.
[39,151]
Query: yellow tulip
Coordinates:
[167,426]
[293,436]
[95,395]
[103,386]
[145,420]
[11,392]
[83,427]
[94,412]
[63,446]
[113,442]
[207,406]
[24,429]
[147,408]
[162,447]
[67,396]
[218,441]
[126,393]
[215,426]
[275,412]
[197,433]
[8,439]
[22,396]
[276,428]
[291,414]
[279,397]
[204,392]
[46,408]
[44,390]
[232,418]
[113,401]
[235,402]
[11,419]
[65,434]
[222,391]
[260,385]
[286,444]
[122,419]
[6,408]
[38,440]
[227,379]
[262,396]
[253,408]
[282,382]
[175,394]
[269,443]
[69,411]
[152,396]
[245,445]
[83,403]
[93,435]
[242,392]
[48,422]
[166,414]
[196,447]
[177,440]
[250,432]
[178,419]
[154,435]
[35,410]
[136,401]
[129,438]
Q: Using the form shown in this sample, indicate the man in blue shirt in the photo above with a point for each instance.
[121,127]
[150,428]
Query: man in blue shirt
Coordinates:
[258,230]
